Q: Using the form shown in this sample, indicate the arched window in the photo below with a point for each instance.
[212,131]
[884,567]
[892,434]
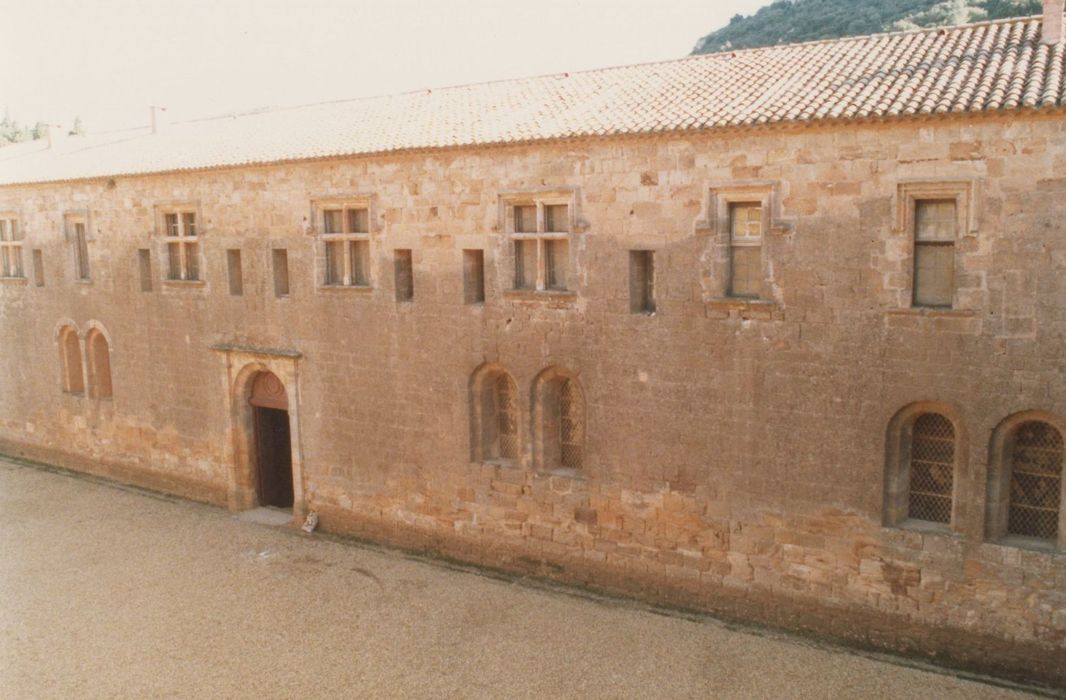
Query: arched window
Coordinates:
[1035,455]
[70,361]
[495,414]
[925,449]
[932,469]
[559,410]
[99,357]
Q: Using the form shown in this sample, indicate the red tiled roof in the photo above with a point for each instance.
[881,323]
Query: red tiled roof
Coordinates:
[987,67]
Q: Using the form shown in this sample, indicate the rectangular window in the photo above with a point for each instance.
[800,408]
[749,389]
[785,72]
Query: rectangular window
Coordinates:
[473,276]
[745,250]
[38,267]
[935,222]
[183,245]
[405,276]
[281,272]
[346,241]
[10,248]
[234,272]
[541,246]
[144,265]
[642,281]
[81,251]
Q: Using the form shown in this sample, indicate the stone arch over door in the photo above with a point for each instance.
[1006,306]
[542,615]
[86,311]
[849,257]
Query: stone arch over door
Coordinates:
[242,366]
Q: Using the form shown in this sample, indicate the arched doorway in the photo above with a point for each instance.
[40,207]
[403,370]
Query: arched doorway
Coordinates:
[273,444]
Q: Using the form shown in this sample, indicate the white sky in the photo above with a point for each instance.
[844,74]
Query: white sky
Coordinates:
[107,60]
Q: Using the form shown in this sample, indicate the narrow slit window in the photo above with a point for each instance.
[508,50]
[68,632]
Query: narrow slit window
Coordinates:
[642,281]
[144,269]
[81,251]
[935,224]
[235,272]
[745,250]
[403,267]
[281,272]
[473,276]
[38,267]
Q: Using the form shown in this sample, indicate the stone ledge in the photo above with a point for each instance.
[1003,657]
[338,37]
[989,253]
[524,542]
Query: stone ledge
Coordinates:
[188,284]
[21,281]
[344,289]
[743,309]
[544,296]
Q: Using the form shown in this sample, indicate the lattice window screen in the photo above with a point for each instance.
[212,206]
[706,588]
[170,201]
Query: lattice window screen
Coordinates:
[507,415]
[932,469]
[1035,481]
[571,425]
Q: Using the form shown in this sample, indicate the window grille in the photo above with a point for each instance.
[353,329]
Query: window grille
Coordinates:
[473,276]
[81,251]
[745,250]
[507,418]
[932,469]
[404,275]
[235,272]
[10,249]
[934,253]
[571,425]
[144,268]
[346,236]
[541,234]
[642,281]
[1035,481]
[183,246]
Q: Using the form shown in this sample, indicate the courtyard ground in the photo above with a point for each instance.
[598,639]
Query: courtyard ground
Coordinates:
[112,592]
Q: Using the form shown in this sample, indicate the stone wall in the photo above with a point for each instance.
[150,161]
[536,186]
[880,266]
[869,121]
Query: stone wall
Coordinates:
[736,451]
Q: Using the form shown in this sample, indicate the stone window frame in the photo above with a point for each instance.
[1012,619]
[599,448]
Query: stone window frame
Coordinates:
[540,198]
[717,226]
[71,219]
[482,380]
[997,501]
[346,202]
[161,210]
[897,468]
[908,194]
[12,249]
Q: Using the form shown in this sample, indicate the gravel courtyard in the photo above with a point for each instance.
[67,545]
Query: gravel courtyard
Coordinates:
[109,592]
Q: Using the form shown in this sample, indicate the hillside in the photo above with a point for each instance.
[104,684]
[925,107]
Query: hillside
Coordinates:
[790,21]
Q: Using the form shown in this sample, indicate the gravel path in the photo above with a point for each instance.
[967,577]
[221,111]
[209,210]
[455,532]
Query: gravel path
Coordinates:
[110,592]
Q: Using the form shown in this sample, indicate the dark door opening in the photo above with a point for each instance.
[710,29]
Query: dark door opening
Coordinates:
[273,457]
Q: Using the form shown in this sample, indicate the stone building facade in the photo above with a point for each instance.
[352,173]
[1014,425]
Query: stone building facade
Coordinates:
[687,366]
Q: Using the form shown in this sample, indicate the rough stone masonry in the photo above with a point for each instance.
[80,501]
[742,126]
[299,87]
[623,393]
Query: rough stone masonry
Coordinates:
[759,455]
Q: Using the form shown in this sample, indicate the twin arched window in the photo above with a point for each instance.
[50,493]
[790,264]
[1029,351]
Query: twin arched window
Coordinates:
[1025,487]
[558,419]
[98,360]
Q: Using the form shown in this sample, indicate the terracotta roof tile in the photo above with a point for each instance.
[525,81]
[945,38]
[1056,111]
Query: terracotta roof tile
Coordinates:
[974,68]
